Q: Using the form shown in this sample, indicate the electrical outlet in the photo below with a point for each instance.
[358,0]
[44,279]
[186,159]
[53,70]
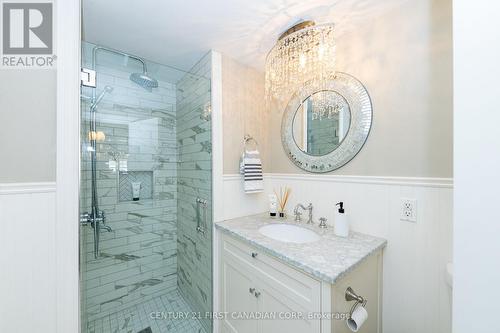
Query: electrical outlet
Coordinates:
[408,210]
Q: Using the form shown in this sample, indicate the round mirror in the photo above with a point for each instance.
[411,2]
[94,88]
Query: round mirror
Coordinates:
[321,123]
[326,123]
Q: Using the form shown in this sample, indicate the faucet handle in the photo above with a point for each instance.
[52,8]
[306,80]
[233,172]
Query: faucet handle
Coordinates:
[298,216]
[310,209]
[322,222]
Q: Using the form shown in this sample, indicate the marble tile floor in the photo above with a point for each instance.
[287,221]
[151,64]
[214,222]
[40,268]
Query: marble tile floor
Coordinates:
[138,318]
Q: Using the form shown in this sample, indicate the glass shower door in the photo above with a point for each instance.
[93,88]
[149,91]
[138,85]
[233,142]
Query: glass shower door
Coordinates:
[145,235]
[194,209]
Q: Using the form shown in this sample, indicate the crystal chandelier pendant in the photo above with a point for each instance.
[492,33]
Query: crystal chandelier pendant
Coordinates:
[325,105]
[303,53]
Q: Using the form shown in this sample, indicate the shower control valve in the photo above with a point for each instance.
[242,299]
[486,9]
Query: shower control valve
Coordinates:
[88,219]
[85,219]
[101,217]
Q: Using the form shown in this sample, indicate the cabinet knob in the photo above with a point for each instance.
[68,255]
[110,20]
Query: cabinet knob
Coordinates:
[254,254]
[251,290]
[257,294]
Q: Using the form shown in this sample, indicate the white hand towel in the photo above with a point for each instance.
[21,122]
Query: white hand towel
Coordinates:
[253,178]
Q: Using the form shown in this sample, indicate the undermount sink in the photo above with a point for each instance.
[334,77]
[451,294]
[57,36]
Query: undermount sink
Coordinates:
[289,233]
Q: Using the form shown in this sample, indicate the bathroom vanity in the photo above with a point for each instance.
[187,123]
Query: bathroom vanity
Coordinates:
[263,281]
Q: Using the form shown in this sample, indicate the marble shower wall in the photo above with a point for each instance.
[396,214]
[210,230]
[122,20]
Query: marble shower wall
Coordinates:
[138,258]
[322,134]
[194,177]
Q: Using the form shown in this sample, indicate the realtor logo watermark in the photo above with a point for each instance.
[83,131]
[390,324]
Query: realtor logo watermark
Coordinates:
[27,35]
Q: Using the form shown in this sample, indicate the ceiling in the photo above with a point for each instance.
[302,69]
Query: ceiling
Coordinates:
[178,32]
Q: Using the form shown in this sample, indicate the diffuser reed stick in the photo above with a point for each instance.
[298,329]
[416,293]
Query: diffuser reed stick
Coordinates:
[283,197]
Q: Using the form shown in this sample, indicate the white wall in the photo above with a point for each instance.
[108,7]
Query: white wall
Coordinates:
[28,118]
[28,200]
[404,58]
[416,297]
[244,112]
[476,27]
[39,244]
[28,260]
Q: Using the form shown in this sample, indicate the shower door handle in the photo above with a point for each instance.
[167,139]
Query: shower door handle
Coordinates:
[201,226]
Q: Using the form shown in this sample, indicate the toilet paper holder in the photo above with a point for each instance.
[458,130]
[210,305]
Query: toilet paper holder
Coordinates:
[350,295]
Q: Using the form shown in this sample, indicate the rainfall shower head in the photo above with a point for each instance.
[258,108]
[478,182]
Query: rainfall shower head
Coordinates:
[144,80]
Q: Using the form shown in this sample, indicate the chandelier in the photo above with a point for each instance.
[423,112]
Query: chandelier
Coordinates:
[305,52]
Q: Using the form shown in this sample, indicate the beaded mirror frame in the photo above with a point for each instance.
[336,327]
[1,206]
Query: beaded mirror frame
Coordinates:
[360,107]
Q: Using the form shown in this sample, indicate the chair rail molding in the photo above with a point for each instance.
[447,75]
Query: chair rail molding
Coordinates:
[382,180]
[27,188]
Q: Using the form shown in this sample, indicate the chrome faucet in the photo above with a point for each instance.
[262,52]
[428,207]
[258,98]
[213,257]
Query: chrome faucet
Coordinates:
[298,214]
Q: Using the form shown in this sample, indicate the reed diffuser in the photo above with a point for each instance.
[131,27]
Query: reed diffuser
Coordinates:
[283,197]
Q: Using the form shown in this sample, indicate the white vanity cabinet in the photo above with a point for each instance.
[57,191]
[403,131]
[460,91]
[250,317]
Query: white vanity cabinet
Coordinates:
[262,294]
[254,283]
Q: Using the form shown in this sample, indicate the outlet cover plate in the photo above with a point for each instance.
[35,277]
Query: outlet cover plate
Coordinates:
[408,210]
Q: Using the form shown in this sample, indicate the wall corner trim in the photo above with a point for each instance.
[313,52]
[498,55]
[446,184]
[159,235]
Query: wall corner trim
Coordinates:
[67,303]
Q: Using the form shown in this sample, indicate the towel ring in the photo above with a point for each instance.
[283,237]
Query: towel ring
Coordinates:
[248,138]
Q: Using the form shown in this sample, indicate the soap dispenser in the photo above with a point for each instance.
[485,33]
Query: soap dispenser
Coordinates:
[341,224]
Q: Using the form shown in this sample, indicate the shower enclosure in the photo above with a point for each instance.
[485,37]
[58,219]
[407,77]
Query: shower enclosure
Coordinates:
[145,201]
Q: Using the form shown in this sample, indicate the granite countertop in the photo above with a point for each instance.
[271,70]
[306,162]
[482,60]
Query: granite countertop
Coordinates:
[327,259]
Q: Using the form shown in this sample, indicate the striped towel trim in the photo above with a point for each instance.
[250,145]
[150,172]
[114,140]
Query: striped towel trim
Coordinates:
[251,168]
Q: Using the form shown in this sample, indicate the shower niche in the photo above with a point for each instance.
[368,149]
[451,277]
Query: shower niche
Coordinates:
[130,179]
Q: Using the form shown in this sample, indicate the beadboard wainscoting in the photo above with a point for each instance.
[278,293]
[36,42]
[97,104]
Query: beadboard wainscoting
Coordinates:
[416,297]
[28,260]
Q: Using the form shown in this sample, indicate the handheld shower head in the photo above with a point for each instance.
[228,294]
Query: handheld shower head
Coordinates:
[107,89]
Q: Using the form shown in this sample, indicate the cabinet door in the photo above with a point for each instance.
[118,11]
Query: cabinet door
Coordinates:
[237,298]
[289,317]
